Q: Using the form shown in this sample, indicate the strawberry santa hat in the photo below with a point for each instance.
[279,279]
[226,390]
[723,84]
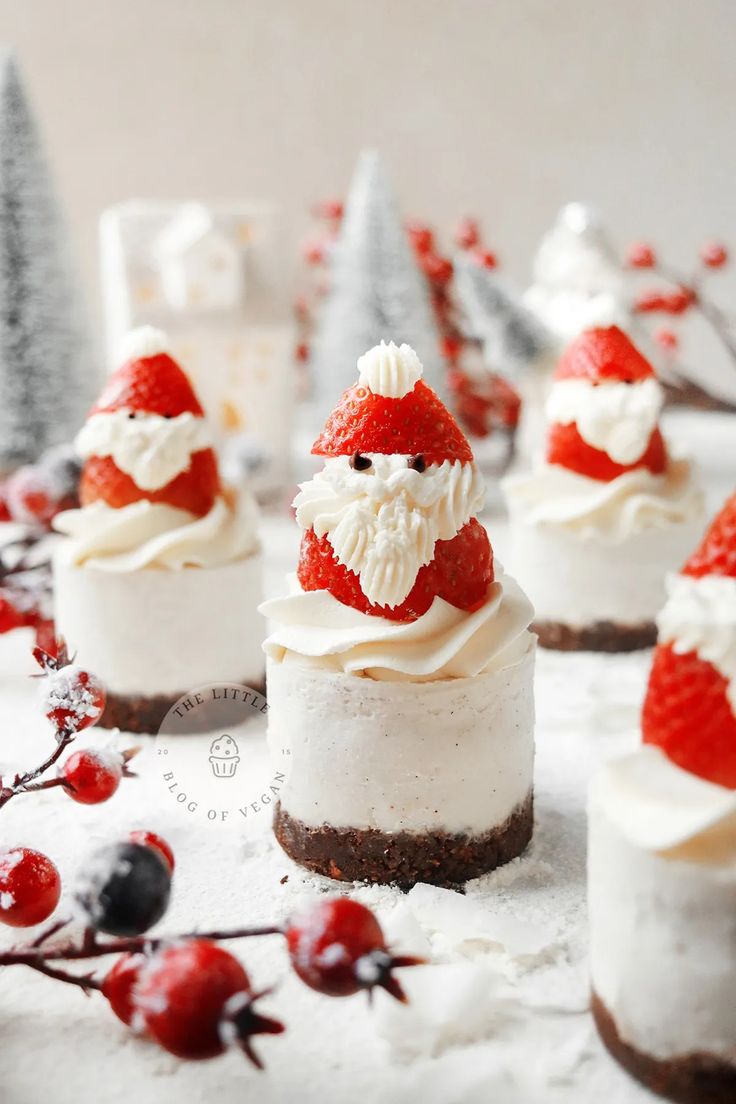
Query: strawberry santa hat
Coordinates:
[146,437]
[391,410]
[390,521]
[604,407]
[690,705]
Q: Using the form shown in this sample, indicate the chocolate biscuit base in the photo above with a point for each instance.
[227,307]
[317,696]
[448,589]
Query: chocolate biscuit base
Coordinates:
[403,858]
[600,636]
[145,715]
[690,1079]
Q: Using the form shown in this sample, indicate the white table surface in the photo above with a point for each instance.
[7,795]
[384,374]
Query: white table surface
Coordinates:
[502,1013]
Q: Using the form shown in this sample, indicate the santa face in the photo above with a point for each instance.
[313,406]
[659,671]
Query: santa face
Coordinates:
[150,448]
[384,514]
[614,417]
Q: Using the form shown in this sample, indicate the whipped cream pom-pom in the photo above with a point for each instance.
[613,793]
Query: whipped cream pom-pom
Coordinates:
[390,370]
[145,341]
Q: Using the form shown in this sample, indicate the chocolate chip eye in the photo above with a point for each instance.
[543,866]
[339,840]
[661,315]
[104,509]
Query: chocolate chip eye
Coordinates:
[131,414]
[360,462]
[418,463]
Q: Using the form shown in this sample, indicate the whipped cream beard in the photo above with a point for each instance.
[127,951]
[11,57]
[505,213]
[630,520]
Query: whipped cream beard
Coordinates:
[700,616]
[616,418]
[384,521]
[150,448]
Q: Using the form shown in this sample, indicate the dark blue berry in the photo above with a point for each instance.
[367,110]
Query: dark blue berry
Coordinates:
[124,889]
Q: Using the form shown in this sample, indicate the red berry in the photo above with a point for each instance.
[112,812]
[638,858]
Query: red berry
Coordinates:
[421,237]
[461,572]
[567,448]
[451,347]
[667,340]
[119,983]
[46,636]
[640,255]
[73,699]
[29,497]
[150,839]
[438,270]
[314,250]
[679,300]
[716,554]
[331,209]
[338,948]
[485,258]
[92,775]
[714,255]
[30,887]
[4,511]
[687,713]
[302,352]
[10,617]
[467,234]
[195,998]
[649,301]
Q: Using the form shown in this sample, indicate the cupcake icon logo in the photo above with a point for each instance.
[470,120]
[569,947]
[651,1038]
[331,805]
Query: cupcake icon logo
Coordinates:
[224,757]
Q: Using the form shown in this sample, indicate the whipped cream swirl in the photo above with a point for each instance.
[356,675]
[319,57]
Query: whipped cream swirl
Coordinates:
[633,502]
[150,448]
[152,534]
[616,418]
[660,807]
[312,627]
[389,370]
[383,522]
[700,616]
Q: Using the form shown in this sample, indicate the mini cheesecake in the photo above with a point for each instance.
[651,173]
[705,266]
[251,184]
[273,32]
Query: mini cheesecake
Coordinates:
[662,849]
[158,577]
[400,666]
[595,529]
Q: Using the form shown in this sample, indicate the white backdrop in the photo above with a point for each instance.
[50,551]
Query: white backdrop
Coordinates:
[505,108]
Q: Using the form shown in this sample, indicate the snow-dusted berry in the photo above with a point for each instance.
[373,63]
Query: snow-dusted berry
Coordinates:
[73,699]
[195,999]
[151,839]
[30,887]
[92,775]
[119,983]
[124,889]
[337,947]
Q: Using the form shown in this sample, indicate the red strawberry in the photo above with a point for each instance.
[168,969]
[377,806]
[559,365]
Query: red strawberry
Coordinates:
[461,573]
[416,423]
[603,354]
[155,384]
[194,489]
[716,554]
[567,448]
[687,713]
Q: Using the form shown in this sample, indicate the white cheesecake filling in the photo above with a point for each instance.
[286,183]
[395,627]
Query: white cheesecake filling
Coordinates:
[315,629]
[150,448]
[453,756]
[153,534]
[578,580]
[662,906]
[616,418]
[554,497]
[700,616]
[148,632]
